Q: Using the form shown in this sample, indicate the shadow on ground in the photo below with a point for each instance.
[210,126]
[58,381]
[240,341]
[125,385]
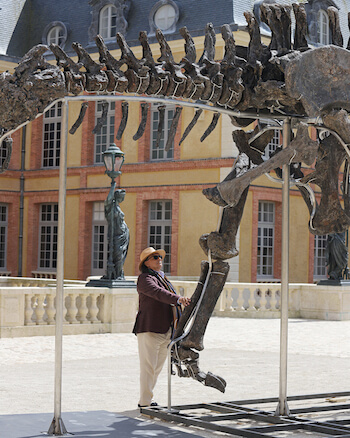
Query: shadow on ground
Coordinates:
[100,424]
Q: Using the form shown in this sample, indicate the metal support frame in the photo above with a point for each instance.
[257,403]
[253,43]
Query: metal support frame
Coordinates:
[57,426]
[282,408]
[254,419]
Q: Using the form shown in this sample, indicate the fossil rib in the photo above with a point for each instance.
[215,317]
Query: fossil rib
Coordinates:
[79,121]
[124,120]
[142,126]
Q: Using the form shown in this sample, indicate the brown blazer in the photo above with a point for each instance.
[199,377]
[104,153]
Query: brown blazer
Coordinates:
[155,305]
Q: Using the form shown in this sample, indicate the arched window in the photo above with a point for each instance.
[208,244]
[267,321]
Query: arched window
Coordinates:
[56,35]
[55,32]
[165,17]
[322,27]
[108,22]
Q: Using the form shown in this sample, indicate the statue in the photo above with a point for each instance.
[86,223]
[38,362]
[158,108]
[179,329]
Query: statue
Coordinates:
[118,234]
[336,256]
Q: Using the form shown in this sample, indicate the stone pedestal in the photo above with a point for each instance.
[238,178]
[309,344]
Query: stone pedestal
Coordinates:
[330,282]
[329,303]
[105,282]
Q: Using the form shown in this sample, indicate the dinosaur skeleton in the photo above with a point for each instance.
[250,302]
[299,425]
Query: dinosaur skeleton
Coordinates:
[275,81]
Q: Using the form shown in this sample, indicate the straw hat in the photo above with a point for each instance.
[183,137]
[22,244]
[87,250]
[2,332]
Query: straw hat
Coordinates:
[149,251]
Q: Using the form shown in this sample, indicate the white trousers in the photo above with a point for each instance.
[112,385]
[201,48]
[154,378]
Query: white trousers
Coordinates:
[152,355]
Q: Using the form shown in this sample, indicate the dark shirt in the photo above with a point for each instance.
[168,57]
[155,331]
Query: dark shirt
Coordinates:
[155,305]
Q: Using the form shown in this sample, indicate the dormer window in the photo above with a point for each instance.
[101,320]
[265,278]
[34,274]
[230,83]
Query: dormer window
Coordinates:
[55,32]
[322,27]
[55,35]
[108,18]
[108,22]
[164,15]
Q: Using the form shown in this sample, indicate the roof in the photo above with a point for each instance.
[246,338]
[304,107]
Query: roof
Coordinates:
[26,20]
[77,16]
[10,12]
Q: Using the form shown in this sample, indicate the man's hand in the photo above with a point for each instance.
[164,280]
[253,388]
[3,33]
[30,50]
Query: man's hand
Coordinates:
[184,301]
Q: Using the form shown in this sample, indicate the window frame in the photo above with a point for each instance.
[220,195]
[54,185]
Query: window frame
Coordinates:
[51,225]
[167,155]
[53,121]
[166,18]
[5,152]
[3,236]
[155,9]
[323,31]
[58,36]
[107,129]
[275,143]
[320,244]
[269,226]
[56,24]
[162,238]
[99,220]
[106,31]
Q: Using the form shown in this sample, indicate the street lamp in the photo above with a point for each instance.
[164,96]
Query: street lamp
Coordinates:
[118,231]
[113,158]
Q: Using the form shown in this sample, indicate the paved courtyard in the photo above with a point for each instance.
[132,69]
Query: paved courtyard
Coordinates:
[100,372]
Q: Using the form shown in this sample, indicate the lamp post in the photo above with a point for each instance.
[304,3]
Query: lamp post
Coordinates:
[118,232]
[113,158]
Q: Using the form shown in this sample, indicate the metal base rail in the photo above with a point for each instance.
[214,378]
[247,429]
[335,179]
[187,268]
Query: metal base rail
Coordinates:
[238,419]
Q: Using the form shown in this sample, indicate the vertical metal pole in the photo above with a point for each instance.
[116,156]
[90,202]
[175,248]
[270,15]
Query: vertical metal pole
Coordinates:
[57,427]
[21,203]
[282,408]
[169,377]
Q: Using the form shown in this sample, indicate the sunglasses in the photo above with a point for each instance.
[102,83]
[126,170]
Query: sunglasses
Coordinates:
[155,257]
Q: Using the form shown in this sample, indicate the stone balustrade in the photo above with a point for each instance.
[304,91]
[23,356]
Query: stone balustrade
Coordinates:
[27,305]
[251,301]
[262,300]
[31,310]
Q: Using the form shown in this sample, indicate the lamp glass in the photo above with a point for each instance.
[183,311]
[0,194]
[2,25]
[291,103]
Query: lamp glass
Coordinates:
[108,162]
[118,163]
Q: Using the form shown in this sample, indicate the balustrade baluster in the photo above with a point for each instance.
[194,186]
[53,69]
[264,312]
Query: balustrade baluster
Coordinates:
[83,309]
[220,304]
[50,309]
[28,311]
[39,309]
[93,309]
[65,310]
[72,310]
[228,300]
[273,300]
[263,300]
[251,301]
[240,300]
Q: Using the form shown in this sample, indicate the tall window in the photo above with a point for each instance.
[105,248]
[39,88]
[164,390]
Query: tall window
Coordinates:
[108,22]
[56,35]
[322,27]
[266,228]
[52,136]
[3,235]
[106,135]
[99,240]
[320,244]
[3,152]
[48,226]
[159,229]
[159,152]
[273,145]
